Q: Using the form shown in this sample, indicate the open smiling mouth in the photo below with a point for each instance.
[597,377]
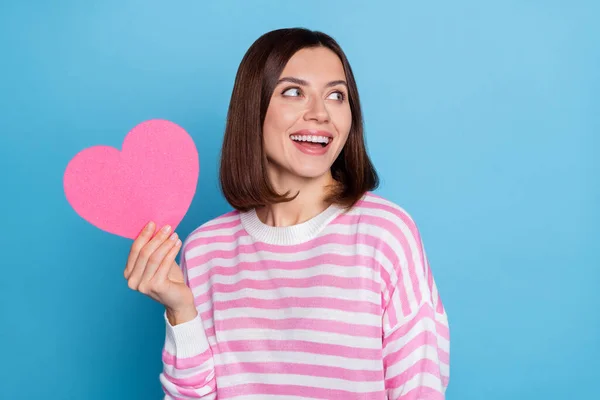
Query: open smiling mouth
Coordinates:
[311,140]
[312,144]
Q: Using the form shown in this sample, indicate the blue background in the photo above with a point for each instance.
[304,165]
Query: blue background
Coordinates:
[482,119]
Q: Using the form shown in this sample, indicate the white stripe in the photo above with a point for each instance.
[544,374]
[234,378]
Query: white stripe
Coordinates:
[215,232]
[348,362]
[357,295]
[303,380]
[445,369]
[268,397]
[443,344]
[420,353]
[314,336]
[291,312]
[303,313]
[303,273]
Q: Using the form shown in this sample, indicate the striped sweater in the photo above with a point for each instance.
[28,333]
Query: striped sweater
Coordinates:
[343,306]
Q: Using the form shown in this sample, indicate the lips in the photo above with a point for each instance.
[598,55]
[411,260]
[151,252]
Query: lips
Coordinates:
[312,142]
[313,132]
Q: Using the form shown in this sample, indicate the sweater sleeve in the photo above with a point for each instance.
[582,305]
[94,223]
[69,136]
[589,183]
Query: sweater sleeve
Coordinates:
[416,337]
[188,366]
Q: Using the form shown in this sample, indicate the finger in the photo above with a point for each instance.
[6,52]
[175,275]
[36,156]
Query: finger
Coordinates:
[156,259]
[137,245]
[144,254]
[163,270]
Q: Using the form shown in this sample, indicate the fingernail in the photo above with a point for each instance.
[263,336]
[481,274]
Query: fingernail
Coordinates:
[150,225]
[173,236]
[166,228]
[178,243]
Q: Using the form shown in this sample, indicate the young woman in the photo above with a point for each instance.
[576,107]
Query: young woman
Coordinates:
[313,287]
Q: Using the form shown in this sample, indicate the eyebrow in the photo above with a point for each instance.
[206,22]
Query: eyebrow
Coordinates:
[302,82]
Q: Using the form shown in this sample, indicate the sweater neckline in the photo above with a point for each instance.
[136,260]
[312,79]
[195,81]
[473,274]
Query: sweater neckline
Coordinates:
[288,235]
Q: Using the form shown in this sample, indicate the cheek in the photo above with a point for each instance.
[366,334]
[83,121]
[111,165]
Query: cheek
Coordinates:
[280,119]
[342,118]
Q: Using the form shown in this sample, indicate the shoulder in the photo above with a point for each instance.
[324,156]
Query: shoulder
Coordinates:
[222,227]
[399,235]
[386,217]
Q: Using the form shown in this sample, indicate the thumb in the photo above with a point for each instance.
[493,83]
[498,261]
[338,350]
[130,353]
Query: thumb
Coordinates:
[175,273]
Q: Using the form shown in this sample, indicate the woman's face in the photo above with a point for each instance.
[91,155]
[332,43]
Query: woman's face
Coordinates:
[308,119]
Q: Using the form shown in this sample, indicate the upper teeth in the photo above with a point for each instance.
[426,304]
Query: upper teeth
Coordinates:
[311,138]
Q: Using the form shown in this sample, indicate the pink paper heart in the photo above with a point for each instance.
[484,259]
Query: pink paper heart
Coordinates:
[153,178]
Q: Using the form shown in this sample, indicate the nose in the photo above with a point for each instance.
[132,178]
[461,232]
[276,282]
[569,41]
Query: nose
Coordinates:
[317,111]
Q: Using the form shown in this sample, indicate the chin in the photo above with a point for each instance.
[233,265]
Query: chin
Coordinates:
[311,172]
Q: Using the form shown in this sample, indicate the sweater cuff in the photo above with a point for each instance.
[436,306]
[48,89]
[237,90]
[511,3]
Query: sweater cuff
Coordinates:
[187,339]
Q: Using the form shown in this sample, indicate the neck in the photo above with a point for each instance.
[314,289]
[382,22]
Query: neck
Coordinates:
[309,202]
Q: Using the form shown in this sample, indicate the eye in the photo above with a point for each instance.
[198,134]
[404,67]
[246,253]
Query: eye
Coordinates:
[293,92]
[337,95]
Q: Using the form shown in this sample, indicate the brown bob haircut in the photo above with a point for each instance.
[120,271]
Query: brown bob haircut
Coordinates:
[243,166]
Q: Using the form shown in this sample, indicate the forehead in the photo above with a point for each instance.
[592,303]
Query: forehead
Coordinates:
[315,65]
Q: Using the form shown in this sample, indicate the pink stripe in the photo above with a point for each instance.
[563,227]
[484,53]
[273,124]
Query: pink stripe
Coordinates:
[319,325]
[207,315]
[389,287]
[444,356]
[300,369]
[390,311]
[420,367]
[442,330]
[350,283]
[298,346]
[423,392]
[194,393]
[219,225]
[229,238]
[330,303]
[440,305]
[429,279]
[445,380]
[210,332]
[182,363]
[294,390]
[431,284]
[424,338]
[194,381]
